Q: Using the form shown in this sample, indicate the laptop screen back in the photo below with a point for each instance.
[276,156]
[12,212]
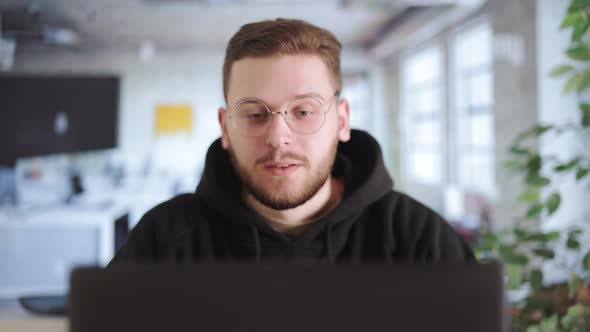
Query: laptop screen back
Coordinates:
[340,298]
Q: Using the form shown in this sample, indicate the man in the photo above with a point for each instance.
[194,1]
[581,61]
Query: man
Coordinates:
[289,180]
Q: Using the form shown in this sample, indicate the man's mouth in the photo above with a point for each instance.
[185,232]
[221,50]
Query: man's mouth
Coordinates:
[285,164]
[282,168]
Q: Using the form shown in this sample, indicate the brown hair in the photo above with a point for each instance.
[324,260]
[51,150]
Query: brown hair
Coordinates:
[283,37]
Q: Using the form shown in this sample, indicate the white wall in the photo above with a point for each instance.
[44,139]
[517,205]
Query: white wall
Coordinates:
[196,82]
[193,77]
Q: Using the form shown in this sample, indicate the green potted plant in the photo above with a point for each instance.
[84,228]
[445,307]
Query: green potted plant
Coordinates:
[524,247]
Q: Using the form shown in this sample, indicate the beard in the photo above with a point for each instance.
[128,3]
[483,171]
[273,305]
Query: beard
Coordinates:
[274,199]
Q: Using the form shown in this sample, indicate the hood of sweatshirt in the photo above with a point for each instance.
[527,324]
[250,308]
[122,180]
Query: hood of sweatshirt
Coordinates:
[359,164]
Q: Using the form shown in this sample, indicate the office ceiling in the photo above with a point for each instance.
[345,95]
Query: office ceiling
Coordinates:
[173,24]
[206,24]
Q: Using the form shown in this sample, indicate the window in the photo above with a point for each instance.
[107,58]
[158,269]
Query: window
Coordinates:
[473,108]
[422,105]
[356,89]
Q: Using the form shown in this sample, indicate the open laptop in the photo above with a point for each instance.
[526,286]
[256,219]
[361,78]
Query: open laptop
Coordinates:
[417,298]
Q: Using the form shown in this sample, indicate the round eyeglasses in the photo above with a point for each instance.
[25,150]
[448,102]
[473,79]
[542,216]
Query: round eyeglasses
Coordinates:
[304,115]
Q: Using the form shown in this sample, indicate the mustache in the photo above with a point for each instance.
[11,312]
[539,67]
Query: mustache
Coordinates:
[274,155]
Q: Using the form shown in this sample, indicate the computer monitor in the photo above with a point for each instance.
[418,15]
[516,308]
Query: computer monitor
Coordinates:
[46,114]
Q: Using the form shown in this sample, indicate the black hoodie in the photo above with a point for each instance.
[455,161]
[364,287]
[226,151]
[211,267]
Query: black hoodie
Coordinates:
[372,223]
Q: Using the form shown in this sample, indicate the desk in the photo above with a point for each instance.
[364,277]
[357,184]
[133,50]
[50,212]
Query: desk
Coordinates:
[15,319]
[38,248]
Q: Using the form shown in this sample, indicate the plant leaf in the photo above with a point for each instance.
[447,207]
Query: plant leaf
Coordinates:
[568,166]
[579,52]
[553,202]
[572,316]
[509,255]
[575,231]
[536,279]
[534,164]
[578,20]
[585,109]
[573,19]
[584,81]
[540,237]
[540,130]
[586,261]
[577,5]
[519,151]
[488,242]
[580,29]
[563,69]
[537,181]
[514,273]
[515,164]
[535,131]
[572,83]
[573,243]
[550,324]
[572,285]
[520,234]
[535,210]
[521,260]
[545,253]
[582,172]
[530,196]
[506,251]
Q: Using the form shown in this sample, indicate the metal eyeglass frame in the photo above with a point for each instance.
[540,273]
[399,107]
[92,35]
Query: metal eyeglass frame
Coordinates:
[284,113]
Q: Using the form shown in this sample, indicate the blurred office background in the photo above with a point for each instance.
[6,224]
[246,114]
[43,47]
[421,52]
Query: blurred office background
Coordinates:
[108,107]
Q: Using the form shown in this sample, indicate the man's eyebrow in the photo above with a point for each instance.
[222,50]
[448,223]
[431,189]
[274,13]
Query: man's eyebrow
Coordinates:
[305,95]
[248,99]
[310,94]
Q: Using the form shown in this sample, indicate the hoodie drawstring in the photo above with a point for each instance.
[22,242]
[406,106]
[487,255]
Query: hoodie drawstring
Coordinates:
[256,238]
[329,244]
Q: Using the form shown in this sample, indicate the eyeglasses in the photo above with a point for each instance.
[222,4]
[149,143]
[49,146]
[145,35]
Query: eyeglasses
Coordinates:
[304,115]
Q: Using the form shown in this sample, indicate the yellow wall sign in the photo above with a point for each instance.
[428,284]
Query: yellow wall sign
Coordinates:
[172,119]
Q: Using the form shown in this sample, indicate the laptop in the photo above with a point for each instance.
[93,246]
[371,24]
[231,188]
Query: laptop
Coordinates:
[310,298]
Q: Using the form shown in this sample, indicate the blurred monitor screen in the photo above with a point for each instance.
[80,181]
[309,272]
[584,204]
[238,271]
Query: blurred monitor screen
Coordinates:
[43,115]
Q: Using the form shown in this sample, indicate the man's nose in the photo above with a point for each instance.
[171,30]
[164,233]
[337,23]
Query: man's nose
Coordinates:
[279,133]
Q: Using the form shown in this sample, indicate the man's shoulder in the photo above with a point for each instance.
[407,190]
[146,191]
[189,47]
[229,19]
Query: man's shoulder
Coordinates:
[419,230]
[172,213]
[405,213]
[169,219]
[398,202]
[174,205]
[158,229]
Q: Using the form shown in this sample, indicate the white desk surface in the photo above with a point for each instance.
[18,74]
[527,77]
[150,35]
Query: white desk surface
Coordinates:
[15,319]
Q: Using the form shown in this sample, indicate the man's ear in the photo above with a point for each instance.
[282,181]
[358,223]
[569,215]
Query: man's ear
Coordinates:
[343,120]
[223,118]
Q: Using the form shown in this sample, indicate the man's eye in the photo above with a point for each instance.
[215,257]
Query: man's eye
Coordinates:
[303,114]
[256,116]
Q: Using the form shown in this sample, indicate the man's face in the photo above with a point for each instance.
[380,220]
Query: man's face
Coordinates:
[260,161]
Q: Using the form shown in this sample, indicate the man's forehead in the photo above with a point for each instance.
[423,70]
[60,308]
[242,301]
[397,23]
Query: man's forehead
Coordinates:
[279,77]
